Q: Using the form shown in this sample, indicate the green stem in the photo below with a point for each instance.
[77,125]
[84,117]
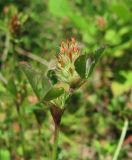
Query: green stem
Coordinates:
[19,113]
[56,137]
[39,143]
[124,130]
[20,119]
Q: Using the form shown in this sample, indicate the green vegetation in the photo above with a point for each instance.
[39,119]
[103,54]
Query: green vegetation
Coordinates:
[90,106]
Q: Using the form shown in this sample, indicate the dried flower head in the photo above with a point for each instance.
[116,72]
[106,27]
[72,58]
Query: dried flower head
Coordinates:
[101,22]
[69,52]
[6,10]
[15,25]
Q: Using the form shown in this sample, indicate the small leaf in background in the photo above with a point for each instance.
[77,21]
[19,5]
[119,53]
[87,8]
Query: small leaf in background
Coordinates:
[30,108]
[4,154]
[53,93]
[112,37]
[119,88]
[40,115]
[11,86]
[23,18]
[121,10]
[38,110]
[59,8]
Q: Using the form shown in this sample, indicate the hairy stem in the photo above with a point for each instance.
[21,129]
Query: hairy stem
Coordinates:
[124,130]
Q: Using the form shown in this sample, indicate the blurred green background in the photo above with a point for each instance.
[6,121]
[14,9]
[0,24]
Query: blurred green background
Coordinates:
[31,30]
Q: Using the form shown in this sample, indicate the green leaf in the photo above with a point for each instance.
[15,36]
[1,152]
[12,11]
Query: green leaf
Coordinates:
[33,78]
[80,65]
[46,86]
[38,82]
[85,64]
[93,60]
[53,93]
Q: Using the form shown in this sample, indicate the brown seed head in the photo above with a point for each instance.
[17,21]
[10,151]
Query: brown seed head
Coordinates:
[15,26]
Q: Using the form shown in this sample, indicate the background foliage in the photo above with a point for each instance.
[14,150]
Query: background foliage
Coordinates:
[94,117]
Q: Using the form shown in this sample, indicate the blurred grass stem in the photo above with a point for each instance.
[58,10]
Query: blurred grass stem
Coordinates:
[20,118]
[124,130]
[2,78]
[18,106]
[32,56]
[7,46]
